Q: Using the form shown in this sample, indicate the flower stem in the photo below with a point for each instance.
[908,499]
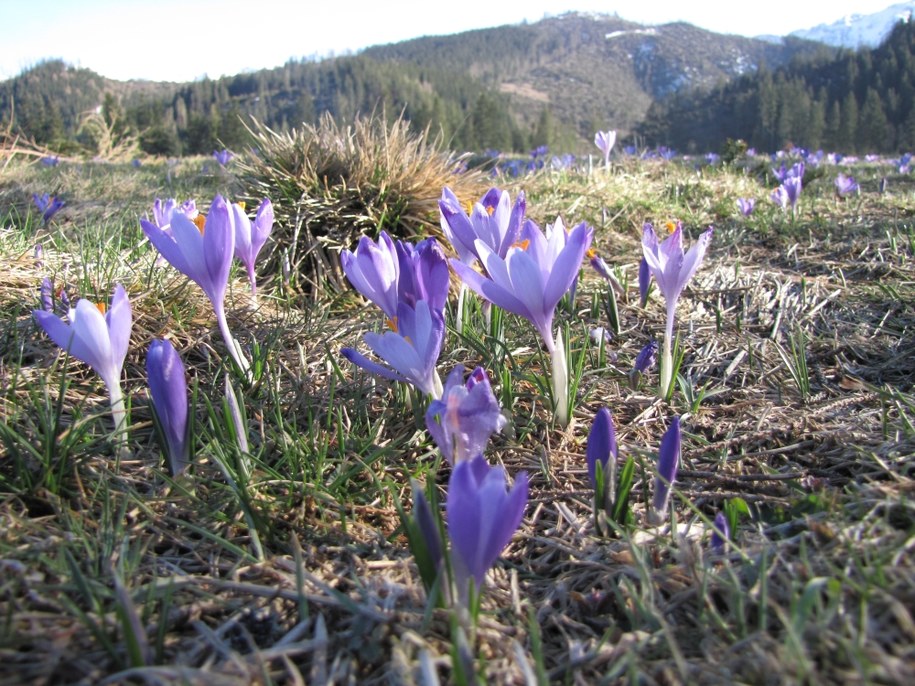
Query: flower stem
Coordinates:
[667,361]
[232,346]
[560,381]
[119,414]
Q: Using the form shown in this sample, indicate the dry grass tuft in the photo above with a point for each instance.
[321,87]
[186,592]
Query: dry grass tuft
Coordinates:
[331,184]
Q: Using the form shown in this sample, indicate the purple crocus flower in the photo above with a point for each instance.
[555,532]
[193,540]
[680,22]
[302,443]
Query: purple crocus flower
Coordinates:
[250,238]
[668,463]
[602,448]
[845,185]
[530,281]
[204,256]
[746,206]
[482,517]
[50,160]
[605,140]
[374,270]
[47,206]
[672,270]
[168,390]
[721,533]
[411,349]
[534,275]
[222,156]
[99,340]
[465,417]
[389,273]
[792,186]
[423,274]
[780,197]
[493,220]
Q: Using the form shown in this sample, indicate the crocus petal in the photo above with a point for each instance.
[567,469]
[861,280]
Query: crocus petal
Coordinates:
[486,288]
[368,365]
[119,319]
[218,245]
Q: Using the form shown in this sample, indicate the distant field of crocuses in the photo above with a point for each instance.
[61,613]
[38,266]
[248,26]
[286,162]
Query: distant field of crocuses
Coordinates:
[633,417]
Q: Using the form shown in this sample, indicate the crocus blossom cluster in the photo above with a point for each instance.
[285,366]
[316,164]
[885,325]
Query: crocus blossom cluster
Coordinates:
[790,185]
[530,281]
[410,285]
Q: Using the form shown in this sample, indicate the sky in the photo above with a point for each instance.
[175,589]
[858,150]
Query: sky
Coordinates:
[184,40]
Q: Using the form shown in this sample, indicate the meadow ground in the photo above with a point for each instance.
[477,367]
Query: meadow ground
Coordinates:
[287,563]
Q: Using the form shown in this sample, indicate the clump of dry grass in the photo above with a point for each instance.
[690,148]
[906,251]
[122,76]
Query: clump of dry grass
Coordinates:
[332,183]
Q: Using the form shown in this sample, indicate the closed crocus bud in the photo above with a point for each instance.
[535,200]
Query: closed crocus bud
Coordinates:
[721,533]
[644,361]
[168,390]
[602,447]
[46,295]
[482,518]
[644,282]
[668,463]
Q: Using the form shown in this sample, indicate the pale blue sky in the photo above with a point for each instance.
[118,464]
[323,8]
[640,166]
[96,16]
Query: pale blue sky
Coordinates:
[181,40]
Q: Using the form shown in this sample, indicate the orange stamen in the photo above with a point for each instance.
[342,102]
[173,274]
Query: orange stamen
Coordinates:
[490,210]
[102,307]
[200,221]
[522,244]
[591,254]
[241,204]
[671,226]
[392,324]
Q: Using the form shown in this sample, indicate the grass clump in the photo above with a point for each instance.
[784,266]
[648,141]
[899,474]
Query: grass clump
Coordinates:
[332,183]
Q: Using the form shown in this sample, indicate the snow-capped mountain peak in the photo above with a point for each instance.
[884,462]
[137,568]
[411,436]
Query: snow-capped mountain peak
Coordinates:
[860,30]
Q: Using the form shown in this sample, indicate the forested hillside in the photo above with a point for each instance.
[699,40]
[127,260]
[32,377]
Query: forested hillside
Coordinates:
[511,88]
[857,102]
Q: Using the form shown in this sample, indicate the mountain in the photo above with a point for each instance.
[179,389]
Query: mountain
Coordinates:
[859,30]
[593,70]
[513,87]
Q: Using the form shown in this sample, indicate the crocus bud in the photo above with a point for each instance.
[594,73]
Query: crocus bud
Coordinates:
[602,446]
[168,390]
[644,282]
[46,293]
[721,533]
[668,462]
